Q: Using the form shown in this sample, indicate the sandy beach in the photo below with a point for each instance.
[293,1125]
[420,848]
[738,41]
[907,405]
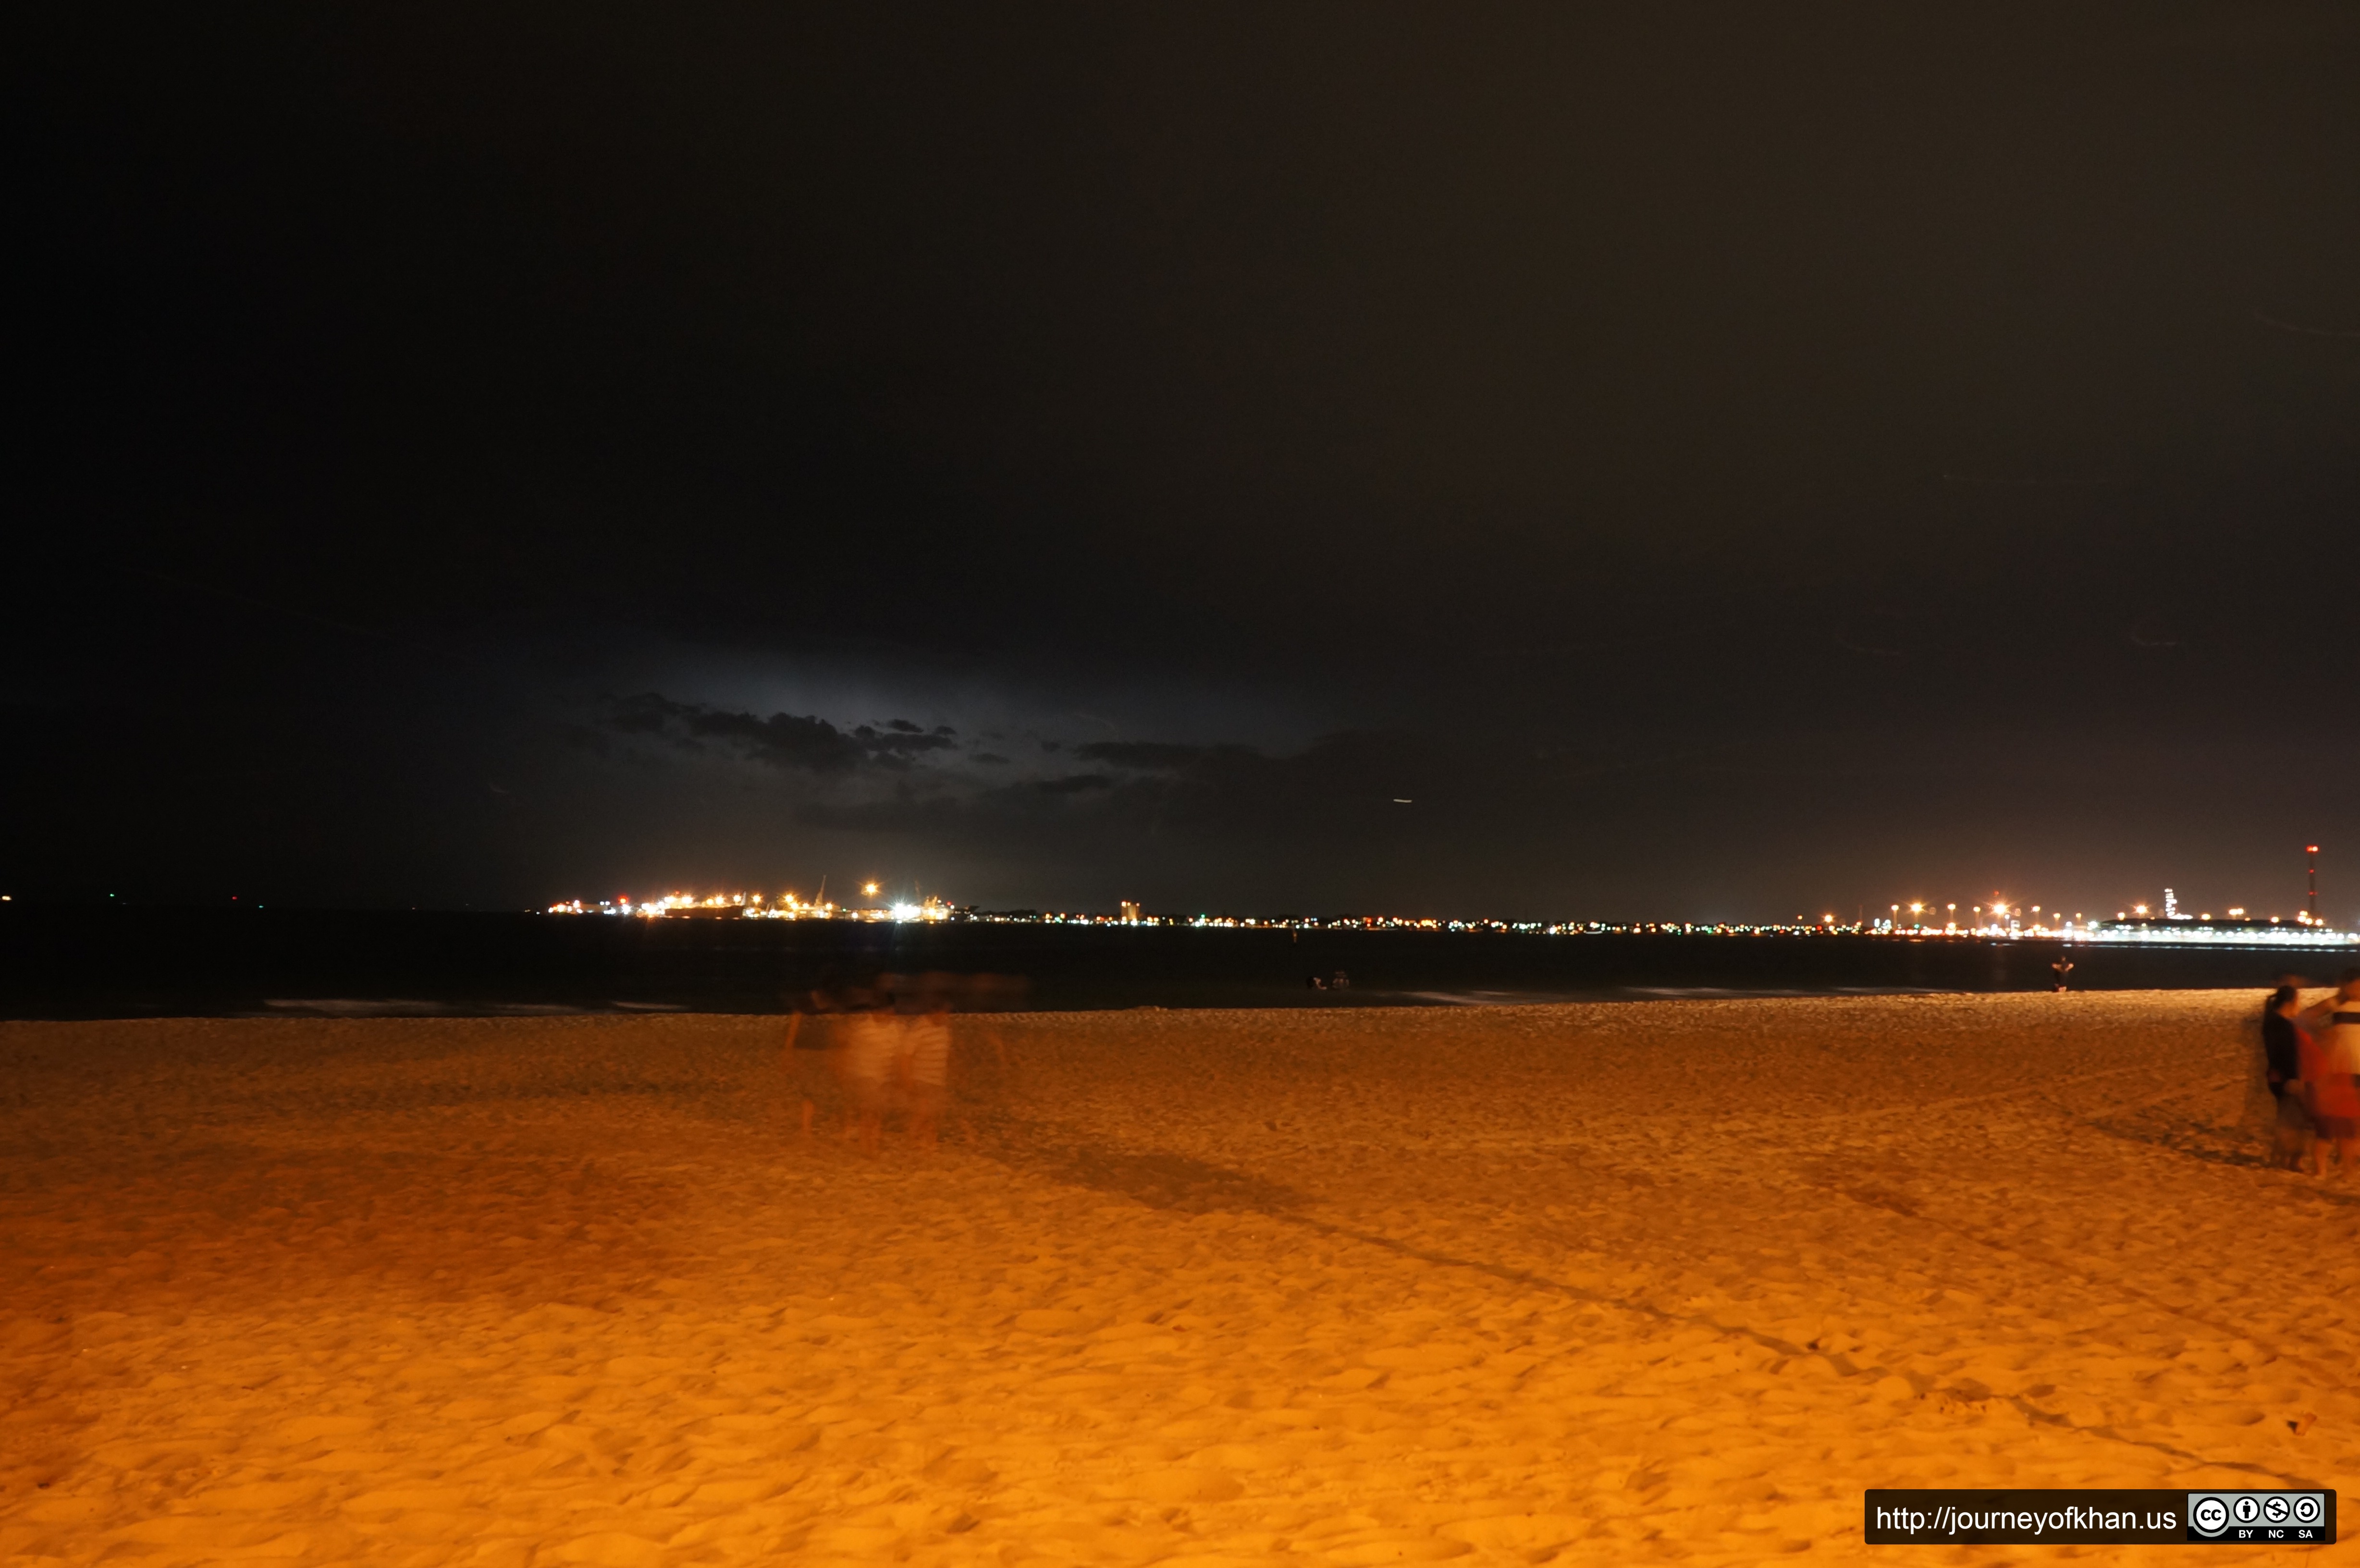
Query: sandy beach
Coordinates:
[1610,1284]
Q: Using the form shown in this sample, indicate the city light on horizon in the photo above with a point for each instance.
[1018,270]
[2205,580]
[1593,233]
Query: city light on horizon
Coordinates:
[2002,920]
[2006,921]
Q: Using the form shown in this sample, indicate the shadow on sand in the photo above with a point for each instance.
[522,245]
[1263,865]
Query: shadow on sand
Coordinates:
[2211,1144]
[1159,1180]
[1184,1184]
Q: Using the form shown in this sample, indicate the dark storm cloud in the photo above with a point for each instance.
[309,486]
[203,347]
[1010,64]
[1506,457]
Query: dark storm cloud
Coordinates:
[1336,777]
[1074,784]
[1163,756]
[1331,782]
[1225,785]
[782,740]
[901,740]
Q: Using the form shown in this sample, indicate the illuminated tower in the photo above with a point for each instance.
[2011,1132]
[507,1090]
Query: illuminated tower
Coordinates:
[2312,850]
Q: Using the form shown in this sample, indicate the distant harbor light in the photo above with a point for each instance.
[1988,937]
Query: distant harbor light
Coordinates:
[2185,931]
[753,907]
[2001,921]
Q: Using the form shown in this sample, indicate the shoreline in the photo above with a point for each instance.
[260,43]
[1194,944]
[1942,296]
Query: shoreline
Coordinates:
[131,963]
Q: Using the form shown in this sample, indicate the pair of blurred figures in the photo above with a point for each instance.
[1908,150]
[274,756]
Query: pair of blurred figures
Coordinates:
[882,1049]
[2310,1060]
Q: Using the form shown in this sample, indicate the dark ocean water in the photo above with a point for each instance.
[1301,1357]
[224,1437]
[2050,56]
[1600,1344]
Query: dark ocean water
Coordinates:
[62,963]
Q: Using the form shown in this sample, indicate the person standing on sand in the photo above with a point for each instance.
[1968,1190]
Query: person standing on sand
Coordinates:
[2283,1040]
[813,1031]
[872,1053]
[2327,1070]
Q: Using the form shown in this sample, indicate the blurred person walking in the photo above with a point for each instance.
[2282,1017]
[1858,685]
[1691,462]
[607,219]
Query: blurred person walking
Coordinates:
[872,1053]
[2283,1042]
[2328,1067]
[814,1048]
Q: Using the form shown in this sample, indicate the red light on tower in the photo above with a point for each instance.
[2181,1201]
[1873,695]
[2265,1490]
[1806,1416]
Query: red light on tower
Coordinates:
[2312,851]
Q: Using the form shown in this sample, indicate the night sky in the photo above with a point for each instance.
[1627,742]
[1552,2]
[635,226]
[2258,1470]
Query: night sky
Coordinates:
[1711,462]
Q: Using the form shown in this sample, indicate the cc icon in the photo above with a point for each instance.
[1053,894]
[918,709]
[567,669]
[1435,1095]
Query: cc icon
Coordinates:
[2209,1515]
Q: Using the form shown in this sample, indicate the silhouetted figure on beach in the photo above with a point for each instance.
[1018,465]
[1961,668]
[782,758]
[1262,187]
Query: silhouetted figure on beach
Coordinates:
[814,1036]
[2063,967]
[2328,1069]
[2283,1042]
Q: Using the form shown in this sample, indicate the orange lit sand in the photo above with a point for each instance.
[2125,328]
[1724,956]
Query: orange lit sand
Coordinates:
[1594,1284]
